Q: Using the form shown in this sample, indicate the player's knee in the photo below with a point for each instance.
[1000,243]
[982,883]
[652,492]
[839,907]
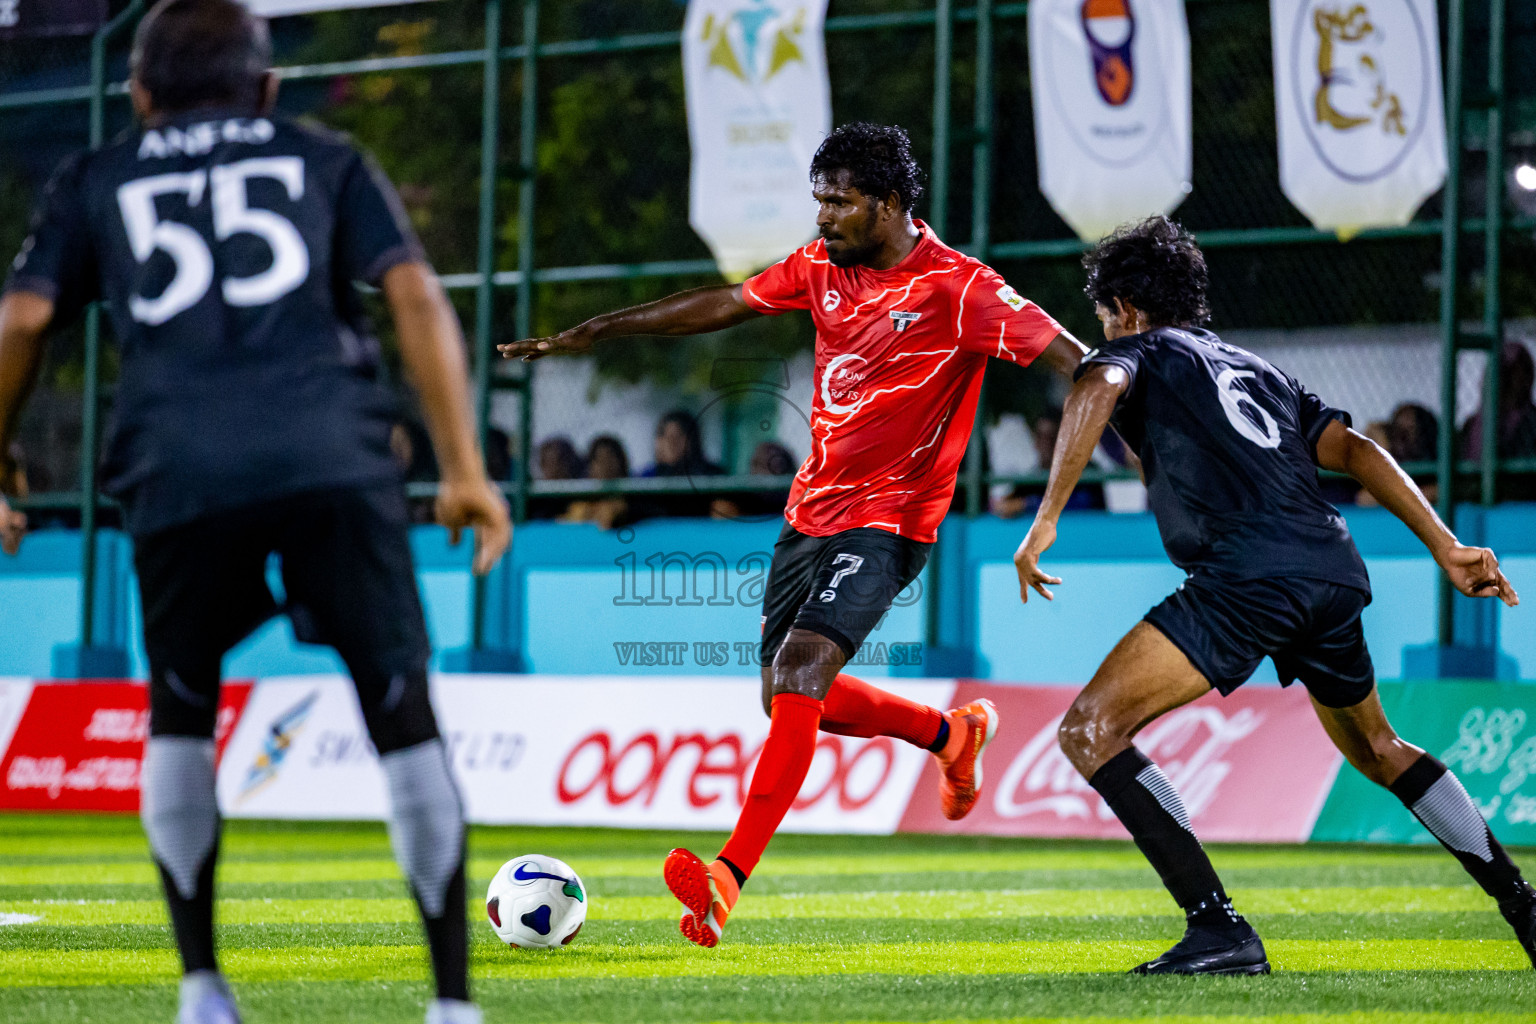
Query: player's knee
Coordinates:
[768,690]
[1380,758]
[1086,732]
[398,711]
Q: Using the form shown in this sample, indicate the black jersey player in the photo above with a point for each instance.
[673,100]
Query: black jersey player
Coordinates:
[250,420]
[1230,447]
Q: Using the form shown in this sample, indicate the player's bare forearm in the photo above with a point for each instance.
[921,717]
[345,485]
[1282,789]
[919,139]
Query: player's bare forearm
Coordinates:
[24,320]
[1474,570]
[1063,354]
[1083,419]
[432,349]
[697,311]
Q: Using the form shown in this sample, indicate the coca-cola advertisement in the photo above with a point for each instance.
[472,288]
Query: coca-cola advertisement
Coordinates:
[1252,767]
[79,746]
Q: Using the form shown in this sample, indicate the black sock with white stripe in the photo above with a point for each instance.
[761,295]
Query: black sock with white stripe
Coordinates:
[1436,797]
[1150,809]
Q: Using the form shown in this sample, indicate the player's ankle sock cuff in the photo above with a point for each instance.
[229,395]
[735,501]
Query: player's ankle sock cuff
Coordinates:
[736,873]
[1118,772]
[1214,911]
[728,881]
[941,741]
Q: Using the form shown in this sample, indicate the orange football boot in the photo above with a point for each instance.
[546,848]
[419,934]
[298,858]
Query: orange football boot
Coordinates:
[707,892]
[971,728]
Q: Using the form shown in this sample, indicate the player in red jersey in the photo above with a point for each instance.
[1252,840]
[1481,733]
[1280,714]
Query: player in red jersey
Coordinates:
[904,326]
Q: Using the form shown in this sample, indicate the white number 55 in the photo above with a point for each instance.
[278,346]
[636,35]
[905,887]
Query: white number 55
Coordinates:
[232,215]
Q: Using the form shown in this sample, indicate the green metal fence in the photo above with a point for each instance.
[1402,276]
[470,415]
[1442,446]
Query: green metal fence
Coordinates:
[976,143]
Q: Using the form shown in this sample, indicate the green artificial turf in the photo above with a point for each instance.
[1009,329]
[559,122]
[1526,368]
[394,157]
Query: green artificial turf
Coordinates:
[315,927]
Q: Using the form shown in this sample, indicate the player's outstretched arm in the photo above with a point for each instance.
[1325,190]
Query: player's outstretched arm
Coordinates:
[1063,354]
[1083,419]
[432,348]
[1473,571]
[24,320]
[697,311]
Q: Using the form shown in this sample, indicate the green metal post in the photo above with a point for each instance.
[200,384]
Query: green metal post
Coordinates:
[527,154]
[90,413]
[1493,240]
[981,212]
[485,292]
[943,70]
[1450,273]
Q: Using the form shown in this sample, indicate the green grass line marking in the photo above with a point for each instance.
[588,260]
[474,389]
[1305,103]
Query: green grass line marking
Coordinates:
[937,905]
[678,960]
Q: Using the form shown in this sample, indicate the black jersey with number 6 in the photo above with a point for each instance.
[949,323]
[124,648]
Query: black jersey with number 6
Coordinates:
[1228,444]
[226,250]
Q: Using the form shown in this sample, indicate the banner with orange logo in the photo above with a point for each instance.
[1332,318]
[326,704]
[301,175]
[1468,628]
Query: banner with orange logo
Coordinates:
[1358,109]
[1110,80]
[758,106]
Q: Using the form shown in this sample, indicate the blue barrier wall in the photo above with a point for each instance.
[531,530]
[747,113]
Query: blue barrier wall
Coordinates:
[682,597]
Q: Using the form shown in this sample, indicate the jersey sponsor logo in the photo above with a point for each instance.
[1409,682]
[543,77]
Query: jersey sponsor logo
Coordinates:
[831,300]
[901,321]
[840,384]
[199,139]
[1011,298]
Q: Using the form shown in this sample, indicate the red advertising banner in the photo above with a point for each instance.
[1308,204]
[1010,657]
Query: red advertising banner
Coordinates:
[1221,753]
[78,746]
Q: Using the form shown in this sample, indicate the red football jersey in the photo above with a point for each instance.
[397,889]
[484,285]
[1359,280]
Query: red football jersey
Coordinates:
[900,355]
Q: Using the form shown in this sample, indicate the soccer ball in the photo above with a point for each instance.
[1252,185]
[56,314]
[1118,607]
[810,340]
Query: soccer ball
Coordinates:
[536,902]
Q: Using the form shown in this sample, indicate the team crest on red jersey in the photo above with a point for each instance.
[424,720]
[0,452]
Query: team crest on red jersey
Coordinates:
[901,321]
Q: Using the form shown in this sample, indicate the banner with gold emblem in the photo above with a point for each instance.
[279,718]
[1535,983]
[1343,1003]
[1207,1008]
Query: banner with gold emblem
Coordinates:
[758,106]
[1110,84]
[1358,109]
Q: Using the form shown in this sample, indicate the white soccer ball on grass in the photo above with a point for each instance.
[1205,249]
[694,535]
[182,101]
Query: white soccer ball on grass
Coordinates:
[536,902]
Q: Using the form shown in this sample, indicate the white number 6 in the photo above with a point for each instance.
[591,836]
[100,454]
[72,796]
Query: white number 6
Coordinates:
[1233,398]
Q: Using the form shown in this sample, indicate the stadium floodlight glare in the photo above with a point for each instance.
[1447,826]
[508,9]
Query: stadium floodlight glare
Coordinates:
[1525,177]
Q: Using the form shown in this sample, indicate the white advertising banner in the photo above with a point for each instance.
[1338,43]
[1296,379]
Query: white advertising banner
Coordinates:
[1358,109]
[553,750]
[278,8]
[759,105]
[1110,84]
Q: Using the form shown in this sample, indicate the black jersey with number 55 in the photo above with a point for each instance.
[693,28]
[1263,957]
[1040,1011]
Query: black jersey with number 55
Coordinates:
[1228,444]
[226,251]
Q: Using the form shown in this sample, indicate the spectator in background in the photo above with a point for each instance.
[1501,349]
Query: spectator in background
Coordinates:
[606,460]
[1026,497]
[555,459]
[770,458]
[498,455]
[1411,434]
[412,449]
[1517,414]
[680,453]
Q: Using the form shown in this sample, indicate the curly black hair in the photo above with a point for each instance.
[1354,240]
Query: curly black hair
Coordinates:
[1154,265]
[877,158]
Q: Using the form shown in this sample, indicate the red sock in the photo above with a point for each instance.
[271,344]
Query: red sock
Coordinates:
[854,708]
[781,769]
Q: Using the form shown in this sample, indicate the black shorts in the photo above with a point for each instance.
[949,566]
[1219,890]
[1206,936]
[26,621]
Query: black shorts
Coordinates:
[1310,627]
[838,587]
[346,567]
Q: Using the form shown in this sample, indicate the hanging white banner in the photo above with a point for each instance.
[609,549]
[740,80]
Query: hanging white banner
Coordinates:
[1358,109]
[1110,83]
[278,8]
[758,107]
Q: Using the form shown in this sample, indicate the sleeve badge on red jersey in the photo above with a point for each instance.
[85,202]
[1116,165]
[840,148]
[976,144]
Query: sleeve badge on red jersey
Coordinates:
[1014,300]
[901,321]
